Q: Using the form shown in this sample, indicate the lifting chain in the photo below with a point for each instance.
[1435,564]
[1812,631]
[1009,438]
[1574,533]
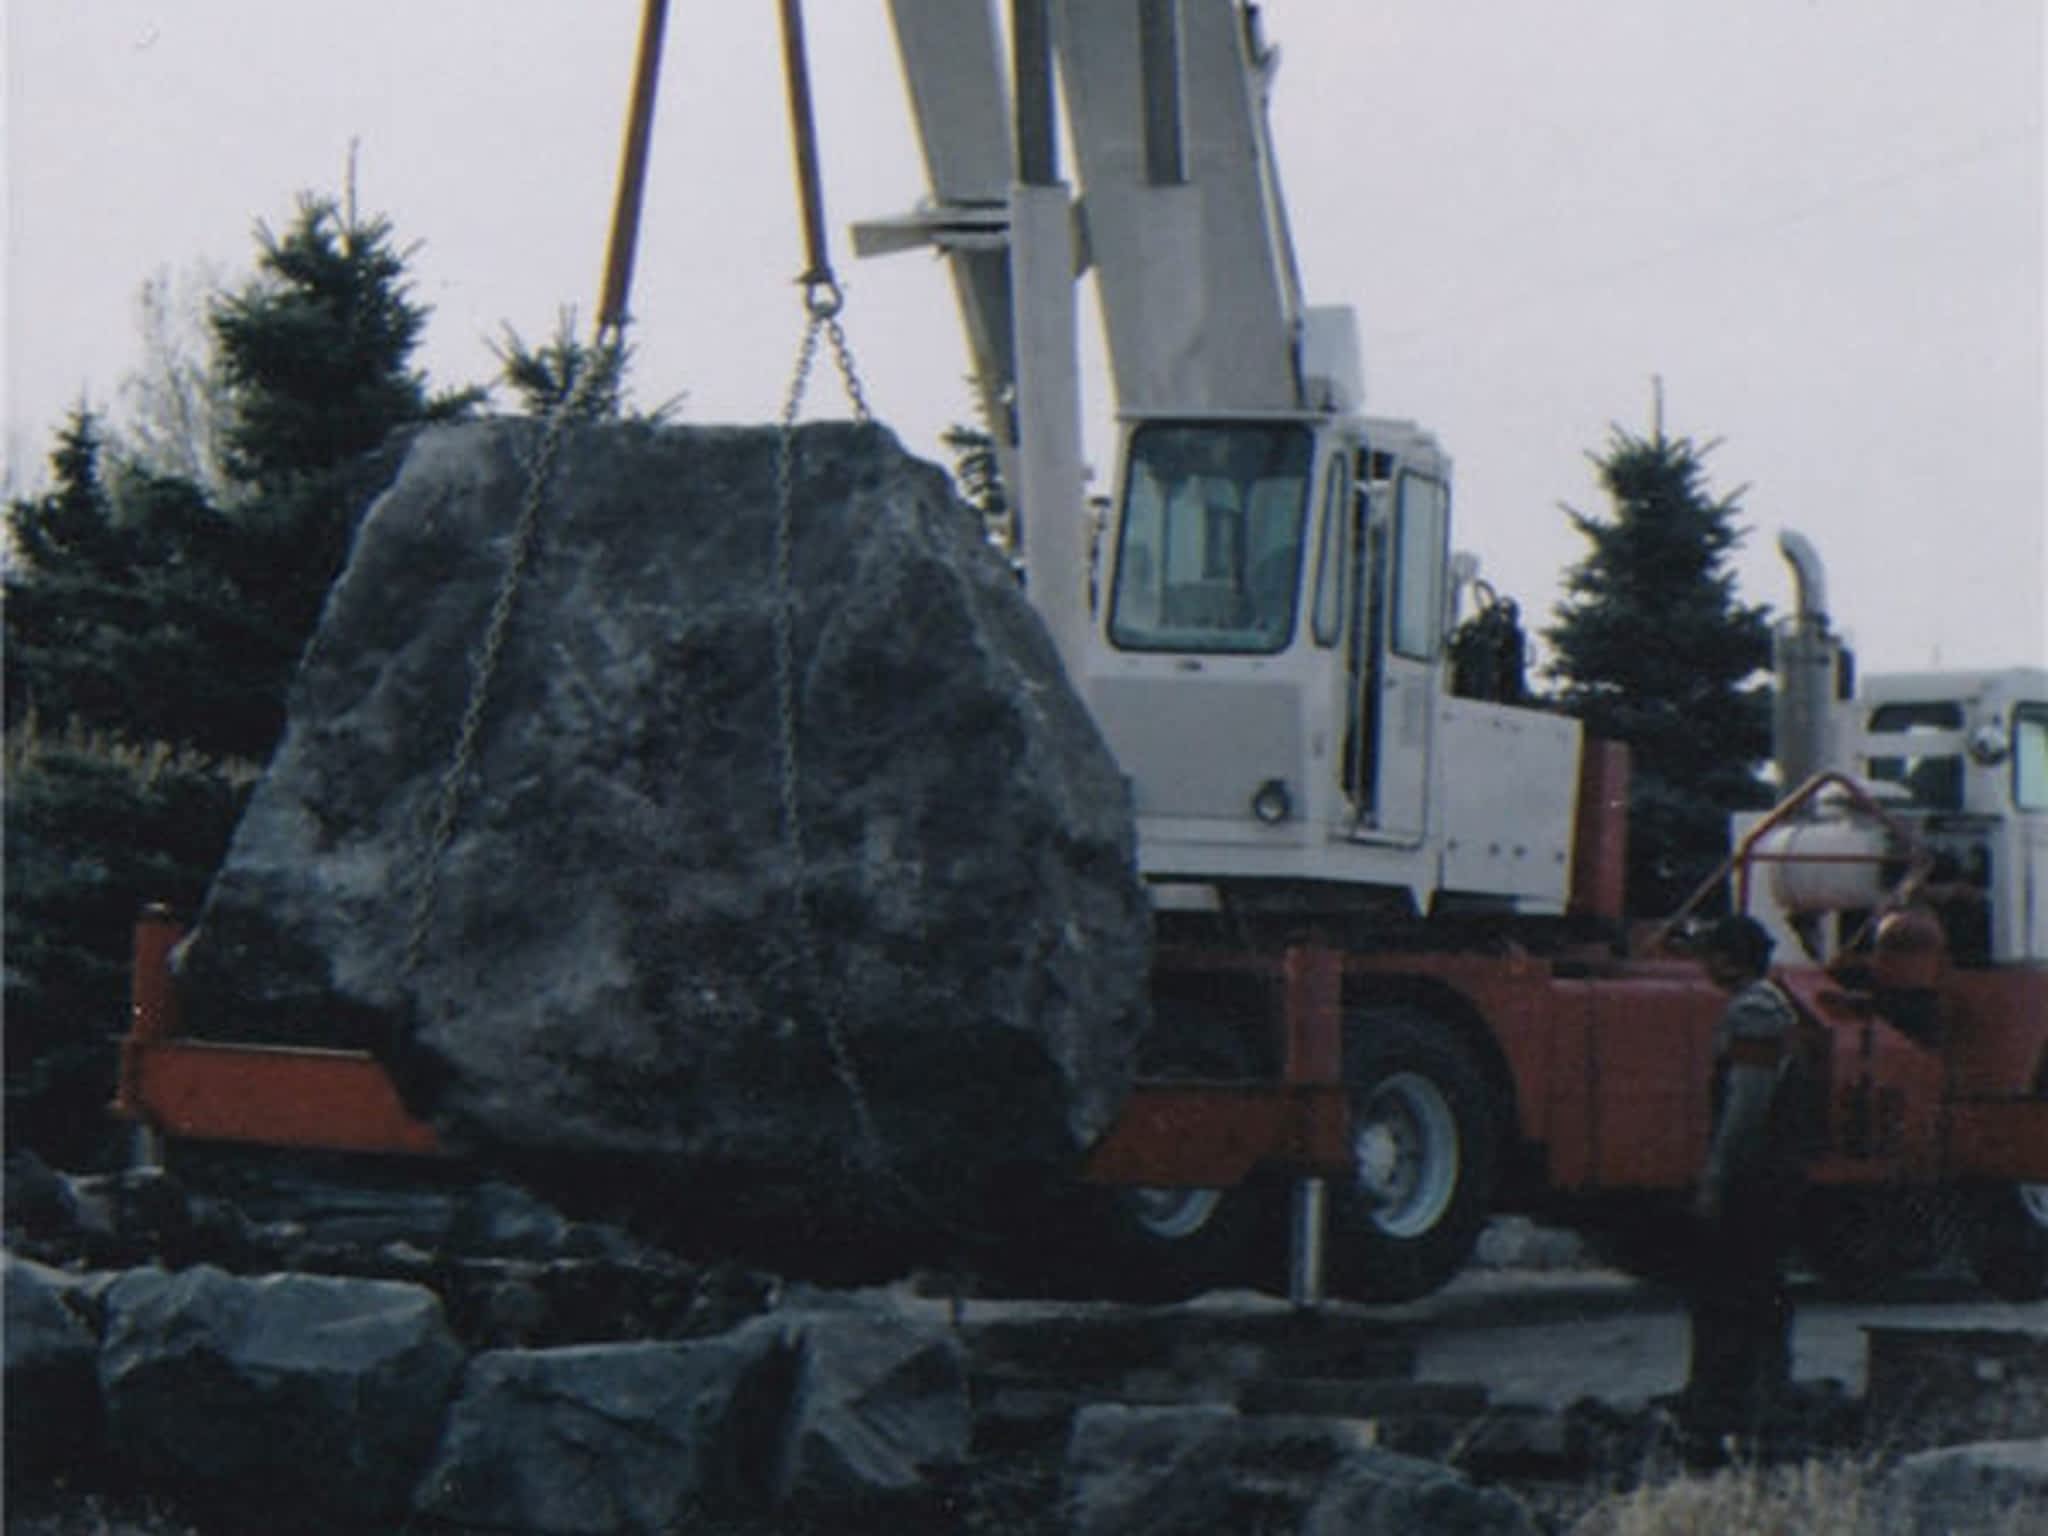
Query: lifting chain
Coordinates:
[822,320]
[822,305]
[446,806]
[823,301]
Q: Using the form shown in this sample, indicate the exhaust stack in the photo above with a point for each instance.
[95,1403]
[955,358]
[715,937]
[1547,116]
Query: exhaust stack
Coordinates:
[1810,665]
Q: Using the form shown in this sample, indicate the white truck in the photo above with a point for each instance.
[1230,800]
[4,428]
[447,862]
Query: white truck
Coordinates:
[1366,884]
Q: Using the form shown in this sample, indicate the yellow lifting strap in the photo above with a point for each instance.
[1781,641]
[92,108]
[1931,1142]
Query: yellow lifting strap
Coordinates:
[821,289]
[625,236]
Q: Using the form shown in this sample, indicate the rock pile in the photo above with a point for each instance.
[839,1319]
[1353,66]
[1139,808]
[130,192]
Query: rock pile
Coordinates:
[627,990]
[509,1269]
[345,1404]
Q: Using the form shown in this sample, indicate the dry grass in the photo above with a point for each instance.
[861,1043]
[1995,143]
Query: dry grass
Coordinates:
[1817,1498]
[29,741]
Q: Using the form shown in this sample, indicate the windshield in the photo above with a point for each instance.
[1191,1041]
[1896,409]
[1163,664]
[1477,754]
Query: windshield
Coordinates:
[1209,550]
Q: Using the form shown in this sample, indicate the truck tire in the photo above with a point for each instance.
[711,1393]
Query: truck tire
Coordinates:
[1424,1151]
[1168,1244]
[2007,1240]
[1171,1244]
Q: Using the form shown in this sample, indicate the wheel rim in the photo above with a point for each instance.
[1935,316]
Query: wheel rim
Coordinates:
[1404,1150]
[1174,1214]
[2034,1201]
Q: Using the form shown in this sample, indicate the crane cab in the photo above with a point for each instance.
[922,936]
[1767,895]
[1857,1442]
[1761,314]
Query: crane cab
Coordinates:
[1267,662]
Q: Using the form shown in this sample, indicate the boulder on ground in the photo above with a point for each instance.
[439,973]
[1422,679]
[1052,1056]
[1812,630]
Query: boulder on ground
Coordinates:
[287,1392]
[617,973]
[608,1438]
[841,1409]
[880,1404]
[1188,1470]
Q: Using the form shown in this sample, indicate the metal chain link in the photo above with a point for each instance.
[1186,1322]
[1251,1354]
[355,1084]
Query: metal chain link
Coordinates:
[810,971]
[490,650]
[842,355]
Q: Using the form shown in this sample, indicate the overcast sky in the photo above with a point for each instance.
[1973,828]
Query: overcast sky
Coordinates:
[1819,221]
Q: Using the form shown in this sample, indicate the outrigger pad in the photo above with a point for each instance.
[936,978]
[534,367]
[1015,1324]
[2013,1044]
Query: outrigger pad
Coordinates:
[613,998]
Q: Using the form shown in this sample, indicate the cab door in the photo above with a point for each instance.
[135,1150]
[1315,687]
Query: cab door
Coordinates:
[1405,620]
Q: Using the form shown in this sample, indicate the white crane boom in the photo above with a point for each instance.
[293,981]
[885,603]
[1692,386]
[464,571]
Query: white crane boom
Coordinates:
[1185,225]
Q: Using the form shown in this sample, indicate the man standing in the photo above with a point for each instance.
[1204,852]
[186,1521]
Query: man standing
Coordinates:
[1748,1199]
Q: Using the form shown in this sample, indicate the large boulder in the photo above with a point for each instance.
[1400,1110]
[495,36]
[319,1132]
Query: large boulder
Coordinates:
[286,1392]
[618,978]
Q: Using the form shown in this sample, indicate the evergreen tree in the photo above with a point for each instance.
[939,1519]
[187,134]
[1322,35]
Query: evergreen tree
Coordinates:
[94,829]
[1652,648]
[140,605]
[125,614]
[150,623]
[542,377]
[66,558]
[316,349]
[121,630]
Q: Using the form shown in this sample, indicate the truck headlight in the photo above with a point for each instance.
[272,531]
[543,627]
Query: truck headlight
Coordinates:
[1271,802]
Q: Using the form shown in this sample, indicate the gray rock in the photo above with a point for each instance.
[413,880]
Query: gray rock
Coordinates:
[880,1405]
[119,1220]
[835,1408]
[615,980]
[38,1200]
[610,1438]
[52,1387]
[1204,1468]
[289,1391]
[1987,1489]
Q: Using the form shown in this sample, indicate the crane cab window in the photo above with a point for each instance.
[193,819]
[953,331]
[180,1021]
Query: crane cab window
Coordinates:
[1421,531]
[1924,759]
[1209,546]
[2030,757]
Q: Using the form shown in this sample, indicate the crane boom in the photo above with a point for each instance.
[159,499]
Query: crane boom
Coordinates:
[952,64]
[1188,235]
